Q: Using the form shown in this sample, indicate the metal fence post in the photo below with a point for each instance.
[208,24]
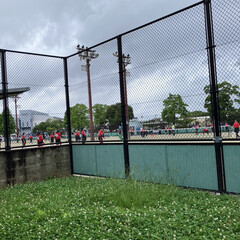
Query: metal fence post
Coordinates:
[69,129]
[5,100]
[122,92]
[214,95]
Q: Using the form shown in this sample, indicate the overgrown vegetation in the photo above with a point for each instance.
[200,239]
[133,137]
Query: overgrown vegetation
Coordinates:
[88,208]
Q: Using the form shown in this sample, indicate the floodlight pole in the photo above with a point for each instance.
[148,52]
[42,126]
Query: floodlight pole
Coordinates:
[84,54]
[90,98]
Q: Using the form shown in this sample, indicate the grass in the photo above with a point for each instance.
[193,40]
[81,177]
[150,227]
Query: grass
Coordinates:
[88,208]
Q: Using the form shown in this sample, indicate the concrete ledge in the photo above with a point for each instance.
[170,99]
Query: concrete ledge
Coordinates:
[34,164]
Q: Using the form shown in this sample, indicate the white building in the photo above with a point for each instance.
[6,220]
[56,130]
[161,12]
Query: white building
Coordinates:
[135,123]
[28,119]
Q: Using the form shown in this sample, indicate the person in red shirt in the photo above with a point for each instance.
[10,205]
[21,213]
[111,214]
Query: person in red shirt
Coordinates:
[23,140]
[77,136]
[212,128]
[52,137]
[101,136]
[236,128]
[205,130]
[84,136]
[58,137]
[31,138]
[40,140]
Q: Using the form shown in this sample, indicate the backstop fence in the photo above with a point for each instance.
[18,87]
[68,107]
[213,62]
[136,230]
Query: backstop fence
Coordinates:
[173,80]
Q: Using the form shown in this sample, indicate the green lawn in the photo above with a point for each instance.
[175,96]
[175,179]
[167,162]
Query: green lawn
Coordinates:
[88,208]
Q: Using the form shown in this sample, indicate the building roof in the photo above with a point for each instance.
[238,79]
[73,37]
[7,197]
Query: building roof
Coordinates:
[14,92]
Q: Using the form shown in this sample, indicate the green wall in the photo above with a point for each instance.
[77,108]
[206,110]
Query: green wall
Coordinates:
[183,165]
[232,167]
[99,160]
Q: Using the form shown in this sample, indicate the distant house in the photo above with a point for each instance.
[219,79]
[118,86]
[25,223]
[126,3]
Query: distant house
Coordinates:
[204,121]
[135,123]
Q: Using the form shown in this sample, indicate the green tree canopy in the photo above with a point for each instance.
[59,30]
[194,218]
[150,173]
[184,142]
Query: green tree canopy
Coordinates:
[228,95]
[114,115]
[51,125]
[12,125]
[100,111]
[175,110]
[79,117]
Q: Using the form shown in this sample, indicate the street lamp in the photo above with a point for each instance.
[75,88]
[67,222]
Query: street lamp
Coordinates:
[126,59]
[88,54]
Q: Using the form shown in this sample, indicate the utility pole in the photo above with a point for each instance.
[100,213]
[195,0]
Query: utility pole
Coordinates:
[88,54]
[126,59]
[16,113]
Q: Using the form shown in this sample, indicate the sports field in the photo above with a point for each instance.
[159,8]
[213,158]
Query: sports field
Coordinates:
[150,137]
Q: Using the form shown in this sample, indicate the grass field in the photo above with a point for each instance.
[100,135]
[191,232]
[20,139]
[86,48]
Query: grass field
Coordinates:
[90,208]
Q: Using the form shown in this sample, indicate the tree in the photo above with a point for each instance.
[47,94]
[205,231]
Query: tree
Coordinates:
[228,94]
[79,117]
[100,111]
[175,111]
[114,115]
[49,126]
[12,125]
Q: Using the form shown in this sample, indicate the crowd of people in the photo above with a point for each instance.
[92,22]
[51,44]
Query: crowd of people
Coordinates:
[82,135]
[55,137]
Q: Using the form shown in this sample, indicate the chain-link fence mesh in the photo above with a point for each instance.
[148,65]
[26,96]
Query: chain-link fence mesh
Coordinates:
[36,97]
[227,35]
[167,76]
[166,83]
[95,72]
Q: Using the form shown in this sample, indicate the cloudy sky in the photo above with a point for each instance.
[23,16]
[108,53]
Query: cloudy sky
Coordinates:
[167,57]
[57,26]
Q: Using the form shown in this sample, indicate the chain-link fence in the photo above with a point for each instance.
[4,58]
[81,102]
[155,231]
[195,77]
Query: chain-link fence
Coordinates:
[157,89]
[36,99]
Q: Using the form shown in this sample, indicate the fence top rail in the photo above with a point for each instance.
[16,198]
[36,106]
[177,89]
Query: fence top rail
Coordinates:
[142,26]
[31,53]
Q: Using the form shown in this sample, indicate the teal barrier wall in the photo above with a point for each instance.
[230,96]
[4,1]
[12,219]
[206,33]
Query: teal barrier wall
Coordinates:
[183,165]
[99,160]
[232,167]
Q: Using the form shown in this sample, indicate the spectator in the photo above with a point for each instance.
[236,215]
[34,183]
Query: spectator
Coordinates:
[23,140]
[212,128]
[40,140]
[205,130]
[30,138]
[236,128]
[58,137]
[52,137]
[101,136]
[84,136]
